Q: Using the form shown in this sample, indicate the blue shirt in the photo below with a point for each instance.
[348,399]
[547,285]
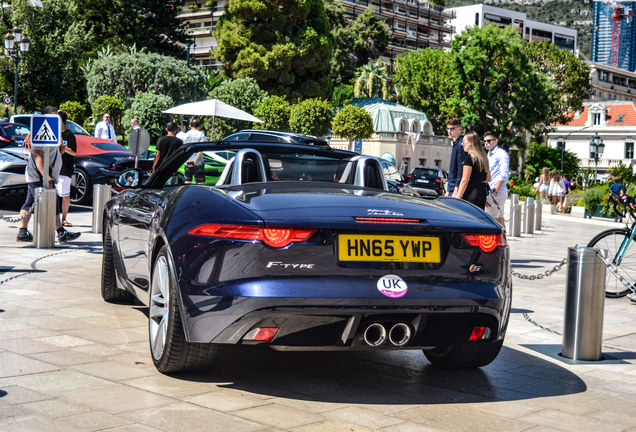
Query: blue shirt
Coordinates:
[616,188]
[499,163]
[456,164]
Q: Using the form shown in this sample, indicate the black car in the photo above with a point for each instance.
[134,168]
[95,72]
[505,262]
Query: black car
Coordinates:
[303,247]
[258,135]
[397,182]
[424,180]
[13,133]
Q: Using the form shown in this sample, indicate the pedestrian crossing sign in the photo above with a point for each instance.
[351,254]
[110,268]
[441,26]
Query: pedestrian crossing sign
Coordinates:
[46,130]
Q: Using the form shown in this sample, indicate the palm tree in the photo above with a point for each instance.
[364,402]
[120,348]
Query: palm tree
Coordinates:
[371,79]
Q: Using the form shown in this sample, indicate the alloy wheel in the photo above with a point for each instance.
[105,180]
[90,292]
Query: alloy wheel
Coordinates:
[159,307]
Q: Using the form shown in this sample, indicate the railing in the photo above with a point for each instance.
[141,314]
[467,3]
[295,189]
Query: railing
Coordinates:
[200,30]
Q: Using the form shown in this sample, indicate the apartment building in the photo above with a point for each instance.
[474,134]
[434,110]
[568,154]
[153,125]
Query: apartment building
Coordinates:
[414,25]
[611,84]
[532,31]
[602,31]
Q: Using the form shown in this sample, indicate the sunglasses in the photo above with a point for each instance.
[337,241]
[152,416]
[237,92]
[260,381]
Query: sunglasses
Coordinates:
[451,129]
[489,141]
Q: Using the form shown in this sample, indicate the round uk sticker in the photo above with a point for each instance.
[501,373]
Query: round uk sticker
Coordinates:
[392,286]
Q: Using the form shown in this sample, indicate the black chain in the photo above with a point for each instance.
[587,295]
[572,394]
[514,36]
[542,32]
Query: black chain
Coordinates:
[28,213]
[546,273]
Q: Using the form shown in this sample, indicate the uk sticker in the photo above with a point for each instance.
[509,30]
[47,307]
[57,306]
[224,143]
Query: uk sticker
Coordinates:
[392,286]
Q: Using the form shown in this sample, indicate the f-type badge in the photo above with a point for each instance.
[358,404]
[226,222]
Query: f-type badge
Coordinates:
[372,212]
[291,266]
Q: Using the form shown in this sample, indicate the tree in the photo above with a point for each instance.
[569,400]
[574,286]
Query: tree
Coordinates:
[539,156]
[125,75]
[356,43]
[147,108]
[74,110]
[353,122]
[371,79]
[243,93]
[423,80]
[342,95]
[286,45]
[494,84]
[149,24]
[311,117]
[274,111]
[111,105]
[625,173]
[570,75]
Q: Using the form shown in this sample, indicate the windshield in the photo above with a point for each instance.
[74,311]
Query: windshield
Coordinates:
[15,129]
[425,172]
[110,147]
[75,128]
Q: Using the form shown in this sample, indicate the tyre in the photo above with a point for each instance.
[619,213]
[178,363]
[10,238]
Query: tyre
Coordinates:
[612,240]
[110,292]
[463,356]
[81,193]
[170,351]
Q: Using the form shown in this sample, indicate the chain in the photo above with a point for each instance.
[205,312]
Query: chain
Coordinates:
[613,270]
[546,273]
[28,213]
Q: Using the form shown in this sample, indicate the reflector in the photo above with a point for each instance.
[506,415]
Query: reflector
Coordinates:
[262,334]
[477,333]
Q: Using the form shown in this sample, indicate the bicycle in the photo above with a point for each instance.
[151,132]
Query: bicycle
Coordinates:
[620,244]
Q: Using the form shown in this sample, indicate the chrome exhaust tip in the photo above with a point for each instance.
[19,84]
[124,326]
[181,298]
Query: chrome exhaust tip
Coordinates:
[400,334]
[374,335]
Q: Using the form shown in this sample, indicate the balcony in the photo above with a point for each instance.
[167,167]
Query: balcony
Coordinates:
[200,31]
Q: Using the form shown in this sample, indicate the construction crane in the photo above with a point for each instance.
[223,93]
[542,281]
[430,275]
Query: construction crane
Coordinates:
[618,17]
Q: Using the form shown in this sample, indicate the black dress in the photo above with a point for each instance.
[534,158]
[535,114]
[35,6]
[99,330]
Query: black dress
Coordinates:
[476,190]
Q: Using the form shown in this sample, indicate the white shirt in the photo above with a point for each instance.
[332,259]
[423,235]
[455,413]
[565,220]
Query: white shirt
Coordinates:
[106,131]
[181,135]
[499,163]
[194,136]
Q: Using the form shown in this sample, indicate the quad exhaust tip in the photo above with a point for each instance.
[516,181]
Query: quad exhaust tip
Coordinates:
[400,334]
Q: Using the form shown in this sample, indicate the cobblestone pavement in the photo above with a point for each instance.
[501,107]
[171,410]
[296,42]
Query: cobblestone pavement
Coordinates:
[71,362]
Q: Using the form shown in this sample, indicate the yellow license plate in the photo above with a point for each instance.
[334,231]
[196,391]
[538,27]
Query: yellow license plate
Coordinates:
[388,248]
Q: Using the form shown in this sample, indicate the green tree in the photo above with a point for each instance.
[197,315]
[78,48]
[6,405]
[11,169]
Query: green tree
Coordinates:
[423,80]
[625,173]
[274,111]
[353,122]
[311,117]
[342,95]
[286,45]
[125,75]
[149,24]
[51,74]
[148,107]
[243,93]
[74,110]
[356,43]
[570,75]
[111,105]
[495,85]
[371,79]
[539,156]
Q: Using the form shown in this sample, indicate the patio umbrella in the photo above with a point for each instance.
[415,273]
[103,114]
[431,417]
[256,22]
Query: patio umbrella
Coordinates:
[214,108]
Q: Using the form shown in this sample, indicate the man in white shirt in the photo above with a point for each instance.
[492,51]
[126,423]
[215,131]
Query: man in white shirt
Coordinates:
[134,123]
[183,130]
[105,130]
[499,163]
[194,166]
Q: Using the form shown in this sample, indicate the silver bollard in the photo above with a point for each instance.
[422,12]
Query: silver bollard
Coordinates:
[44,222]
[538,210]
[529,219]
[515,216]
[584,303]
[101,195]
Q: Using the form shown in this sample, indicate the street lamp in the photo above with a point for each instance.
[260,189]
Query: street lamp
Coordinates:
[189,42]
[12,50]
[565,142]
[596,148]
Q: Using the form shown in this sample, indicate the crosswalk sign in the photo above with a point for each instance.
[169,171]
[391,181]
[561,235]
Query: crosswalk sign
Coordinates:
[46,130]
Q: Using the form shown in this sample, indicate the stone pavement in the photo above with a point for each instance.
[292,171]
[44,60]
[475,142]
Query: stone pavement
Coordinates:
[71,362]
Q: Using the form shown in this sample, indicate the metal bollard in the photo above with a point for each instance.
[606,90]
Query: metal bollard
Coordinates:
[529,220]
[101,195]
[584,303]
[44,222]
[515,216]
[538,210]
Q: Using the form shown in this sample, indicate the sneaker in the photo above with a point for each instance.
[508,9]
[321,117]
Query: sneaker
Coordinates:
[26,237]
[67,236]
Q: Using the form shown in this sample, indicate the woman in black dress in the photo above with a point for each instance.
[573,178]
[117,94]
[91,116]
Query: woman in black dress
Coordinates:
[475,173]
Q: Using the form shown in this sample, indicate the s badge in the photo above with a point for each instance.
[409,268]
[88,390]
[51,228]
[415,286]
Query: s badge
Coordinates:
[392,286]
[474,268]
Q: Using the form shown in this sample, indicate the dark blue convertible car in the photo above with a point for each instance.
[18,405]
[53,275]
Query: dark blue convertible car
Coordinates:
[303,247]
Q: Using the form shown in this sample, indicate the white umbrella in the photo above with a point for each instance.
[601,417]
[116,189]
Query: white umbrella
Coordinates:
[214,108]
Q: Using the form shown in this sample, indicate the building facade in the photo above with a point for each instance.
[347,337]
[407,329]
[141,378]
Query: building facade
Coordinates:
[413,24]
[614,121]
[602,35]
[531,31]
[611,84]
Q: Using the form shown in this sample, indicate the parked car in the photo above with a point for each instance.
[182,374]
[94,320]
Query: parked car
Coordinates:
[424,180]
[302,247]
[258,135]
[12,166]
[397,181]
[13,133]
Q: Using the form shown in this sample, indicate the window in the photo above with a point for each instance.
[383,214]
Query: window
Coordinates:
[422,162]
[407,163]
[629,150]
[477,19]
[541,36]
[596,119]
[620,118]
[438,163]
[519,27]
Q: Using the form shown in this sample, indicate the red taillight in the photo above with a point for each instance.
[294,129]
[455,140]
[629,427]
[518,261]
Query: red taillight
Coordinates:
[479,333]
[262,334]
[4,139]
[386,220]
[486,242]
[274,237]
[438,180]
[409,176]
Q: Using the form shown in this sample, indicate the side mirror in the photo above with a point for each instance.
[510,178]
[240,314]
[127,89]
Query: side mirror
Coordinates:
[130,178]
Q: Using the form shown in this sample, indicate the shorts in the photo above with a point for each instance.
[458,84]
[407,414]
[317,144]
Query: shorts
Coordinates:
[544,188]
[63,186]
[195,170]
[495,203]
[30,198]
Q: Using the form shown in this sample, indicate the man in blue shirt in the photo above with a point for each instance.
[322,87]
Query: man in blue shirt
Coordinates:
[454,129]
[499,164]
